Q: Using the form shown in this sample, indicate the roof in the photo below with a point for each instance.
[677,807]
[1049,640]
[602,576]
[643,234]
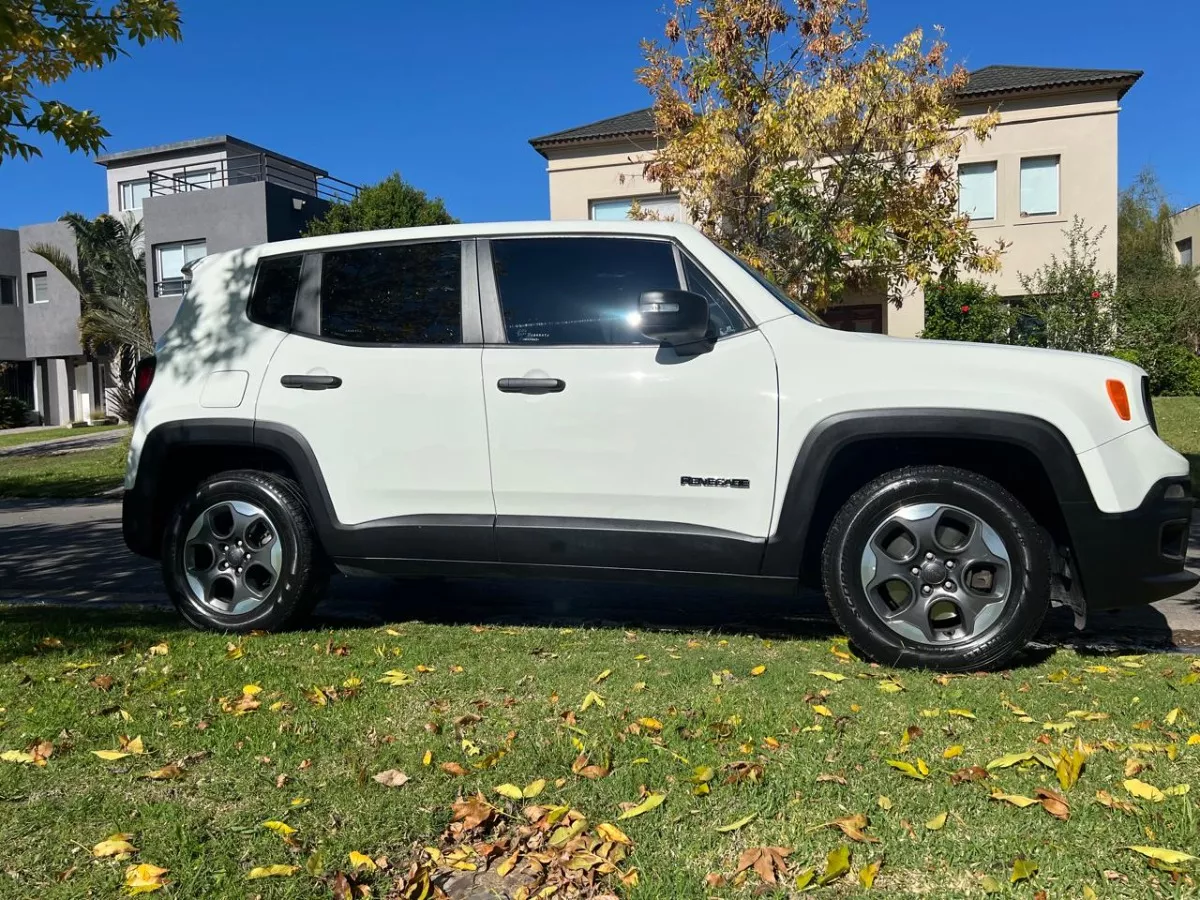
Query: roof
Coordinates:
[990,81]
[215,142]
[480,229]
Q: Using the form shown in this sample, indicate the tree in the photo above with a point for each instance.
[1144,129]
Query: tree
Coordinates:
[111,281]
[1158,302]
[43,41]
[824,160]
[393,203]
[1071,297]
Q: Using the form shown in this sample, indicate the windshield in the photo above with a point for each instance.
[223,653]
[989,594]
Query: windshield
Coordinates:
[794,305]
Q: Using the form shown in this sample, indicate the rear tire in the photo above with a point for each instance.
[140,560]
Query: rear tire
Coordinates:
[240,554]
[936,567]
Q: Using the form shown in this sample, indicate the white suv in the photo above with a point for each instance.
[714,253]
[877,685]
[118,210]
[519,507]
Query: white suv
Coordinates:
[627,400]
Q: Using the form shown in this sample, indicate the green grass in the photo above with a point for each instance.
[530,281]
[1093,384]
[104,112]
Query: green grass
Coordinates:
[522,682]
[1179,424]
[51,434]
[82,473]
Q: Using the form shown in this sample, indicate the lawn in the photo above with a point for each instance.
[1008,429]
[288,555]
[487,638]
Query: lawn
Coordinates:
[1179,425]
[750,744]
[81,473]
[11,439]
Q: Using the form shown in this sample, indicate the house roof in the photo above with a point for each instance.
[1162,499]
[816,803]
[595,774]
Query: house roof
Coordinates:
[990,81]
[215,142]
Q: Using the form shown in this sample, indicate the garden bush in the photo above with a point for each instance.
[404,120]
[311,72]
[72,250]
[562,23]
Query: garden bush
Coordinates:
[967,311]
[13,412]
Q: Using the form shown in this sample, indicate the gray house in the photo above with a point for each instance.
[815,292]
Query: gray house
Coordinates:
[193,198]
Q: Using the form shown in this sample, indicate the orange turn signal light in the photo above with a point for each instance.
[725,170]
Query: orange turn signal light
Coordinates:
[1118,397]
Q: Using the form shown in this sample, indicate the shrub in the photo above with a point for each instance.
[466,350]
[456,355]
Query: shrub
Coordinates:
[967,311]
[1174,370]
[13,412]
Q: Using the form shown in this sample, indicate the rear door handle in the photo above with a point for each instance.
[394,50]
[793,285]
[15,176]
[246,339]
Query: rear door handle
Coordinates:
[311,382]
[531,385]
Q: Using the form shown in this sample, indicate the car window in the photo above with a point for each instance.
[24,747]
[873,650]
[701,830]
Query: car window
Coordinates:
[578,290]
[723,317]
[274,292]
[401,294]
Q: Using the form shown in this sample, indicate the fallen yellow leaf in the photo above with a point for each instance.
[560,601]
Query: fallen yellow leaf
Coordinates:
[511,791]
[280,828]
[740,823]
[114,845]
[612,833]
[758,670]
[534,788]
[361,860]
[961,713]
[832,676]
[937,823]
[276,871]
[866,875]
[1014,799]
[1162,854]
[652,801]
[951,752]
[907,768]
[110,755]
[590,699]
[599,678]
[144,878]
[1142,790]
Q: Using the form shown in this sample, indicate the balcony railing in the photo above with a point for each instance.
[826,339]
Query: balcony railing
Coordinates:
[249,169]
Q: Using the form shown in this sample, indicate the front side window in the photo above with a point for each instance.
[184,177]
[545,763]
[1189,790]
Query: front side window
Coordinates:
[8,290]
[977,190]
[1039,186]
[134,192]
[39,288]
[723,318]
[579,290]
[1185,251]
[665,205]
[169,260]
[274,292]
[400,294]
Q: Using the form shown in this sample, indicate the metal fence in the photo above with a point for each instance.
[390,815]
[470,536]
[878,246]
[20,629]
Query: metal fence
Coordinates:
[249,169]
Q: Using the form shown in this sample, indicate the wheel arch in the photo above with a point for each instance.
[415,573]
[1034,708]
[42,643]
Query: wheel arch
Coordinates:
[1027,455]
[176,456]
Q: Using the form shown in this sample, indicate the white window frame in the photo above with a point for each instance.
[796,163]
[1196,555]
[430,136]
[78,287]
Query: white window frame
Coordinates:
[131,184]
[12,295]
[198,179]
[645,200]
[1042,213]
[981,166]
[1186,246]
[175,286]
[34,293]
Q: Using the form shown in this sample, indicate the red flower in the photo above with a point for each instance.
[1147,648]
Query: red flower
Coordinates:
[966,308]
[1095,295]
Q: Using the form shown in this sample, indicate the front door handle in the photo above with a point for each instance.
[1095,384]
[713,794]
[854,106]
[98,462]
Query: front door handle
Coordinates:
[531,385]
[311,382]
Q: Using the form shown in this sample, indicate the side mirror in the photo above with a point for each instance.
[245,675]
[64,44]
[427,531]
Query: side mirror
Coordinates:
[673,317]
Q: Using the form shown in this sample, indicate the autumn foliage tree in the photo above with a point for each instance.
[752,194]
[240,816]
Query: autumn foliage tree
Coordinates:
[42,42]
[823,159]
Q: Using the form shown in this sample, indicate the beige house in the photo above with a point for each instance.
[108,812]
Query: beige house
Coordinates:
[1185,234]
[1052,157]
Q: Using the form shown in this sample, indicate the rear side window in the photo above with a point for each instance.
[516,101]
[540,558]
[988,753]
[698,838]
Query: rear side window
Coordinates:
[404,294]
[274,292]
[400,294]
[578,290]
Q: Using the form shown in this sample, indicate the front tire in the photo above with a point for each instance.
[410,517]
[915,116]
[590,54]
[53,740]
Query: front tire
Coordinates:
[936,567]
[240,554]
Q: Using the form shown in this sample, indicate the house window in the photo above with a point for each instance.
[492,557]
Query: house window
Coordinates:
[169,260]
[1185,251]
[198,179]
[134,192]
[977,190]
[39,291]
[1039,186]
[665,205]
[8,290]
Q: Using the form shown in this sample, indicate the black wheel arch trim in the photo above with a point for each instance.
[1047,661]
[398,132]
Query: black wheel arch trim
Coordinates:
[832,435]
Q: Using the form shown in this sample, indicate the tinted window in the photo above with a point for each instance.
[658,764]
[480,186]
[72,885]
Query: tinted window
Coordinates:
[8,290]
[723,319]
[578,290]
[275,291]
[407,294]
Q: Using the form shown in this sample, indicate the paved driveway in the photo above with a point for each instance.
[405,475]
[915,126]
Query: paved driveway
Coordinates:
[71,552]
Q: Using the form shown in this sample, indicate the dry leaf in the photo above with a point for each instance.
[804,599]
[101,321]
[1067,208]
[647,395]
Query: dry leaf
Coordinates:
[1143,791]
[866,875]
[1014,799]
[758,670]
[951,752]
[361,860]
[766,862]
[612,833]
[837,864]
[1162,854]
[391,778]
[116,845]
[1022,870]
[1107,799]
[283,829]
[908,768]
[453,768]
[832,676]
[144,879]
[970,773]
[1054,803]
[166,773]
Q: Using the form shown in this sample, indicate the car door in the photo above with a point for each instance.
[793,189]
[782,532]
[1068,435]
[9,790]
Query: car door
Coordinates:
[380,377]
[608,449]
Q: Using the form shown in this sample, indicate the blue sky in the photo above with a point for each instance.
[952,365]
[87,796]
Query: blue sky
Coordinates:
[448,93]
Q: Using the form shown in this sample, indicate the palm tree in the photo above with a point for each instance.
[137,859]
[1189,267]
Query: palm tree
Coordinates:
[111,280]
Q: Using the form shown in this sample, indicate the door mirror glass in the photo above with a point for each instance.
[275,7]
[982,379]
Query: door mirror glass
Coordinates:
[673,317]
